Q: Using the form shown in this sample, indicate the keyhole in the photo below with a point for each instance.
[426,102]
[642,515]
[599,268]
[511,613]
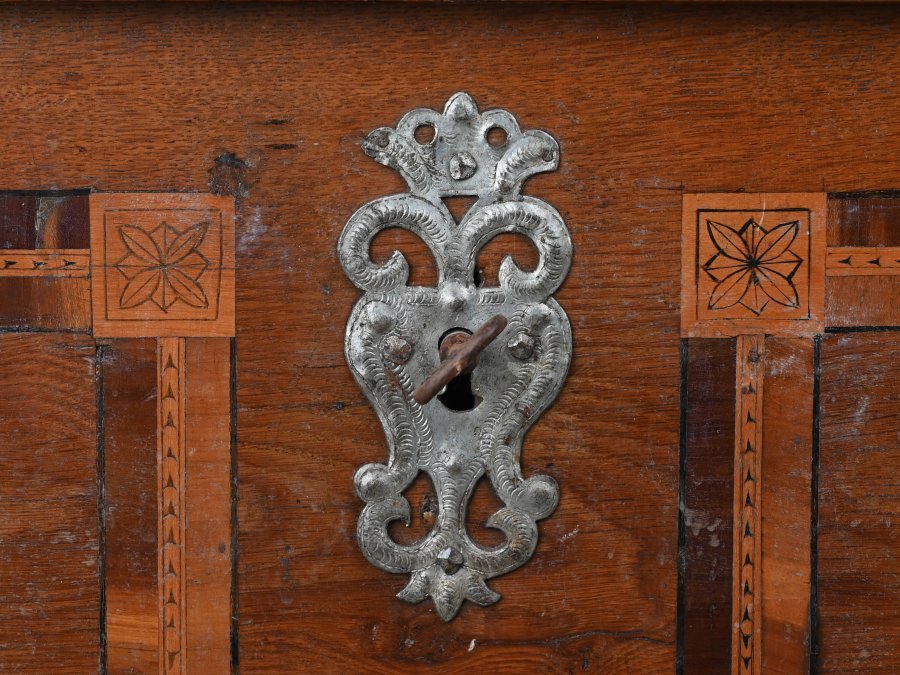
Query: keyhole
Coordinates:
[457,395]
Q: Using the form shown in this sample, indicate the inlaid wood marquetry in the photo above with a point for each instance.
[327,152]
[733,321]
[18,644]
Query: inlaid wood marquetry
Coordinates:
[45,263]
[757,267]
[166,405]
[172,517]
[845,261]
[163,264]
[746,598]
[752,263]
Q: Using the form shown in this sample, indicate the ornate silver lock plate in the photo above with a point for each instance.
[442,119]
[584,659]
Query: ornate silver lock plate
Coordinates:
[394,332]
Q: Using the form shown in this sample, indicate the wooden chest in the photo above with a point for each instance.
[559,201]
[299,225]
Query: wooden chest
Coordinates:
[179,428]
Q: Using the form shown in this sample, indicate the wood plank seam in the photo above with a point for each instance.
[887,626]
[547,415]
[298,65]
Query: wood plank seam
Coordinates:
[171,521]
[746,598]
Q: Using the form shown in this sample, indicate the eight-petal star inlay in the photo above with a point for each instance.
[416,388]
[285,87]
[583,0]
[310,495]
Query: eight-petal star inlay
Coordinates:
[753,266]
[163,266]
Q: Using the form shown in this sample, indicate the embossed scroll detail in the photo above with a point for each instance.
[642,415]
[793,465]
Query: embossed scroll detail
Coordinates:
[746,599]
[393,335]
[171,524]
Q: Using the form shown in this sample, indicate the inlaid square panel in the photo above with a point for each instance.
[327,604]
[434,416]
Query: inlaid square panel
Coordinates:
[162,265]
[753,263]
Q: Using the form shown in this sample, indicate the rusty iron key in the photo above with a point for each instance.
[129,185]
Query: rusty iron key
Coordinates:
[459,354]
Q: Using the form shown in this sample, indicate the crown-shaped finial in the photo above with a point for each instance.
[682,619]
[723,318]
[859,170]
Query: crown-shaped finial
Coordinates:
[460,158]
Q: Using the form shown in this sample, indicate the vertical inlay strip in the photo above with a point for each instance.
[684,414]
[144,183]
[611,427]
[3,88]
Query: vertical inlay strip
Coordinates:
[170,460]
[747,601]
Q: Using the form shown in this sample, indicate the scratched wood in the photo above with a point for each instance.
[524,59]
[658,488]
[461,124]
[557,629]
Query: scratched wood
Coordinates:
[270,103]
[858,504]
[49,538]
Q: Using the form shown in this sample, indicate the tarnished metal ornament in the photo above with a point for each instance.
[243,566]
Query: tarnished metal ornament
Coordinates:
[394,332]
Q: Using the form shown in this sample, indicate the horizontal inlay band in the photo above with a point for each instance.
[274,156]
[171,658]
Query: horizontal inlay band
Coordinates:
[51,262]
[845,261]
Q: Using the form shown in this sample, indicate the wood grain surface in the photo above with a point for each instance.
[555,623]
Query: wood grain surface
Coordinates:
[858,584]
[207,434]
[787,499]
[49,538]
[270,103]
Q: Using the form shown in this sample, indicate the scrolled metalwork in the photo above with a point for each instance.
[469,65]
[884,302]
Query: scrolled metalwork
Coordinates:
[394,331]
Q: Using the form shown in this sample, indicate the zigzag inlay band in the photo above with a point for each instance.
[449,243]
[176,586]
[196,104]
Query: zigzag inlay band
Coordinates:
[746,592]
[171,504]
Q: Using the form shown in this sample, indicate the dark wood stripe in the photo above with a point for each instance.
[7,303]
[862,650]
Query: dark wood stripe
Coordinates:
[101,501]
[861,220]
[72,223]
[17,216]
[814,512]
[129,386]
[235,596]
[708,461]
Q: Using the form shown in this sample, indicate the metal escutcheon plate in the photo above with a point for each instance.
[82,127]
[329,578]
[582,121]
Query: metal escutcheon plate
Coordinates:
[394,330]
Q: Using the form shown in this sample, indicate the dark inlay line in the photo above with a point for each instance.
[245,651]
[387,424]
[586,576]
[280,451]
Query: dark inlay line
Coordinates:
[814,531]
[862,329]
[863,194]
[235,605]
[101,500]
[43,329]
[73,192]
[682,479]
